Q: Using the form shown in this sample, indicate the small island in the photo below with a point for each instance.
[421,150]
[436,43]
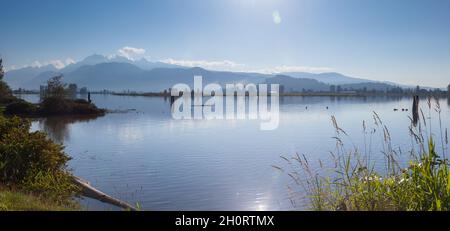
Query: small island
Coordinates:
[56,100]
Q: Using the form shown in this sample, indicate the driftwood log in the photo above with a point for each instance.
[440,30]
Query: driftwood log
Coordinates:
[91,192]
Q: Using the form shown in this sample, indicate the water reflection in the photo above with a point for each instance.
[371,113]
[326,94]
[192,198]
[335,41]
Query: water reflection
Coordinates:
[58,128]
[144,156]
[336,99]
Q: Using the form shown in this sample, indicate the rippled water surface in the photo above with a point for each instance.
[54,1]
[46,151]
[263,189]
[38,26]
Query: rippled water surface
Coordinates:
[144,156]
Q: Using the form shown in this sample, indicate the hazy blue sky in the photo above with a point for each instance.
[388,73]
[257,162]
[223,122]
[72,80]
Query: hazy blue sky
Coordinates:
[406,41]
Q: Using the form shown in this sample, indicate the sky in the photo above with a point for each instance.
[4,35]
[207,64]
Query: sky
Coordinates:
[404,41]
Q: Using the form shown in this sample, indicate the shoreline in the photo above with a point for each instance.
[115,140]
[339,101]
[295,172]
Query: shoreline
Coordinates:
[302,94]
[286,94]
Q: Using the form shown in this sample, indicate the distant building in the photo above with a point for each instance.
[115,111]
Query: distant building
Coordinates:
[448,90]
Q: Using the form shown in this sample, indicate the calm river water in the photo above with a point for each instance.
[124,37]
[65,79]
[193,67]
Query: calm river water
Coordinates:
[144,156]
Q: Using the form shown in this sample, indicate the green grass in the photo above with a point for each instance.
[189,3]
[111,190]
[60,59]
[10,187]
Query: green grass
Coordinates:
[18,201]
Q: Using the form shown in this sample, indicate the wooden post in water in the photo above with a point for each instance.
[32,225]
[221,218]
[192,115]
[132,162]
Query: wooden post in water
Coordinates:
[415,110]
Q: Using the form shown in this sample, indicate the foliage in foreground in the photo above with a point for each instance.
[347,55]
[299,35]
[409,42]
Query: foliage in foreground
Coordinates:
[31,162]
[18,201]
[422,184]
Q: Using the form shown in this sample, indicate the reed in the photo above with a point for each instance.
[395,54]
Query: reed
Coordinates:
[353,183]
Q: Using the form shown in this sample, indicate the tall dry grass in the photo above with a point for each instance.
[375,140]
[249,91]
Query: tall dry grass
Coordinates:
[353,183]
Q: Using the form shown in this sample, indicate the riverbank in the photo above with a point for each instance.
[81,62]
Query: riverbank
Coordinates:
[33,168]
[288,94]
[13,200]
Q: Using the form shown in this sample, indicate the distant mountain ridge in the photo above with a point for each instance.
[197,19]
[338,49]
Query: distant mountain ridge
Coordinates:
[331,78]
[97,72]
[291,84]
[17,78]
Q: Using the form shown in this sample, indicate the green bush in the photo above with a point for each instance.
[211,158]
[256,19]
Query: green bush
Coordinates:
[21,107]
[5,93]
[57,186]
[31,161]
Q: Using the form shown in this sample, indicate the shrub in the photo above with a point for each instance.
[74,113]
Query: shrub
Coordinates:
[31,161]
[56,106]
[84,108]
[81,101]
[57,186]
[21,107]
[5,93]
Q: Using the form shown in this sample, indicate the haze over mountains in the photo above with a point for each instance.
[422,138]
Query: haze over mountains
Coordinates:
[97,72]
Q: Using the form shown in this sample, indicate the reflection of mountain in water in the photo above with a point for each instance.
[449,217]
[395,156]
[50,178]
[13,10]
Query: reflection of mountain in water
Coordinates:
[57,128]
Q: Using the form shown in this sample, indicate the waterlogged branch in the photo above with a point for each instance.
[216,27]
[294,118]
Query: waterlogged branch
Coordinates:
[94,193]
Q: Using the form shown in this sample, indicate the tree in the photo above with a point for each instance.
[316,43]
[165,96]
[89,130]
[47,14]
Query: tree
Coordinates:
[5,91]
[2,72]
[448,89]
[72,90]
[56,88]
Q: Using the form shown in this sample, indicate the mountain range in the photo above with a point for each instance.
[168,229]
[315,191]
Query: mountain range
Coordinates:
[97,72]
